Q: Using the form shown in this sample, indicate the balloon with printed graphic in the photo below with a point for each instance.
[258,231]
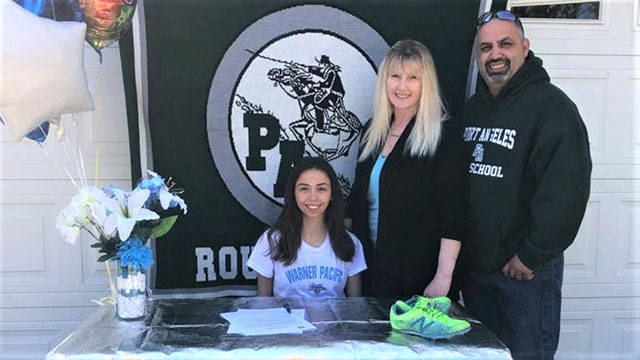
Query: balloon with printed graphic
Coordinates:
[106,20]
[58,10]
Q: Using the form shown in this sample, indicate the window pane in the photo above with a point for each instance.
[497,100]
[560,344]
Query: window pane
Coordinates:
[583,10]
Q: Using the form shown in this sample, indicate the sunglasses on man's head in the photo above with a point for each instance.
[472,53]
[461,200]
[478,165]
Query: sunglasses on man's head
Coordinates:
[500,15]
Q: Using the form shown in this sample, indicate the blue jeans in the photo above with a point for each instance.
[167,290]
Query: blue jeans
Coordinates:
[525,315]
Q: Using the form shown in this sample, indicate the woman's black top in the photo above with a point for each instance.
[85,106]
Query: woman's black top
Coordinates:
[421,200]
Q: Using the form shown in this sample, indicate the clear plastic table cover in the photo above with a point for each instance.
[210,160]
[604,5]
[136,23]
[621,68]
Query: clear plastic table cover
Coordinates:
[350,328]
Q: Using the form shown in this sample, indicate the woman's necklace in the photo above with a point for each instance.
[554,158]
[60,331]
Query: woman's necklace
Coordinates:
[392,138]
[396,133]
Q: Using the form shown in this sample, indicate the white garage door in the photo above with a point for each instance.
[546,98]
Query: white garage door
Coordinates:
[597,63]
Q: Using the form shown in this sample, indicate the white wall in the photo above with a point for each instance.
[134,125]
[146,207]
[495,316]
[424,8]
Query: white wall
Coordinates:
[46,285]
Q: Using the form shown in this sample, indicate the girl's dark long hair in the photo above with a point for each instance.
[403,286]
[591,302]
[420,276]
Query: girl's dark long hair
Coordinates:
[289,225]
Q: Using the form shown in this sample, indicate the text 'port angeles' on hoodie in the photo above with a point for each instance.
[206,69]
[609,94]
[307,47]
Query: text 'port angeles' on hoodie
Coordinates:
[529,170]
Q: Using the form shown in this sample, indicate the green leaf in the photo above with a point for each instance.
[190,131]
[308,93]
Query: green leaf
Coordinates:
[104,257]
[96,245]
[165,225]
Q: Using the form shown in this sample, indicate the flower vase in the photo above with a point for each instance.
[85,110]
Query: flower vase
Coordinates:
[132,293]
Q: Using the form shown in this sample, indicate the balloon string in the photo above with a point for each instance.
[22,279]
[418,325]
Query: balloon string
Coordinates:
[65,151]
[96,160]
[99,107]
[75,162]
[53,161]
[107,300]
[64,167]
[75,152]
[96,165]
[82,173]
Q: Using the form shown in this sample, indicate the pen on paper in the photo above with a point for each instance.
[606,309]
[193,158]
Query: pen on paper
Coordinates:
[287,307]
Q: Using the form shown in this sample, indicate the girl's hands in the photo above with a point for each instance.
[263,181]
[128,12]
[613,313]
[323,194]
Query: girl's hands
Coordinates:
[439,286]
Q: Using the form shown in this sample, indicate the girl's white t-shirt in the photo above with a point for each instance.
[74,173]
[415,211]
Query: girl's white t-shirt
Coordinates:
[317,271]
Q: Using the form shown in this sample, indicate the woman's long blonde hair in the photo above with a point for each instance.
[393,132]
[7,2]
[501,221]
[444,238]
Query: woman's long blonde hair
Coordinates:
[425,134]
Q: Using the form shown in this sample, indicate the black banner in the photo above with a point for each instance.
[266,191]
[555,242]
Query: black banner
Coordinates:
[239,90]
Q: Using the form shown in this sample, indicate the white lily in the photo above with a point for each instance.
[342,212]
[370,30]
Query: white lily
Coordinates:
[153,173]
[167,196]
[67,226]
[85,203]
[125,211]
[99,214]
[181,203]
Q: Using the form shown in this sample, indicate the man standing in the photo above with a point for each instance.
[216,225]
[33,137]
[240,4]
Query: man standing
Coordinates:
[529,177]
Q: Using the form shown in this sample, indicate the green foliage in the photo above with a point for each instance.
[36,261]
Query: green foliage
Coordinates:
[165,225]
[108,247]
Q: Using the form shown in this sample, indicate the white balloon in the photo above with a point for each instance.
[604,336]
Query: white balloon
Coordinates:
[41,69]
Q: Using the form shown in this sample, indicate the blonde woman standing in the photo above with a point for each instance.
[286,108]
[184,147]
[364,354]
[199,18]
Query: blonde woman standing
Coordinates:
[407,201]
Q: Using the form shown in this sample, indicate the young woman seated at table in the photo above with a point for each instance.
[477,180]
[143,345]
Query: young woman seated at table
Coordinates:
[308,252]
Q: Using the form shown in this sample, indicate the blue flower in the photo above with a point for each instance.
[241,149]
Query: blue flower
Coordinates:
[134,254]
[112,192]
[160,196]
[154,184]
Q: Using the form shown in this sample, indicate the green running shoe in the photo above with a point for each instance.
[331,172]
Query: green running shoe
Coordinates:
[425,321]
[440,303]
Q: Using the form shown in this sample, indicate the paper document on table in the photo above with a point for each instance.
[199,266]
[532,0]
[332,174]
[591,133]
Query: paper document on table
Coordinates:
[267,321]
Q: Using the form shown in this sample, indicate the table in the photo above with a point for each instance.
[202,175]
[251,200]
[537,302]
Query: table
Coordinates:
[350,328]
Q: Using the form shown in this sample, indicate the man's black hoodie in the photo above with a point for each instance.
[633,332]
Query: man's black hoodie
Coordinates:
[529,170]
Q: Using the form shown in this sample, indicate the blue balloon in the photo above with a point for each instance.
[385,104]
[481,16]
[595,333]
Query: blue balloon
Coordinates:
[58,10]
[38,134]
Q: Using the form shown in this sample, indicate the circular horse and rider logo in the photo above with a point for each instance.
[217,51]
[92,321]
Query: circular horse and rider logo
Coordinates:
[287,89]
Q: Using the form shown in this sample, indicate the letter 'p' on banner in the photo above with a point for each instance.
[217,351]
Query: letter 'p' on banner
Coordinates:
[231,94]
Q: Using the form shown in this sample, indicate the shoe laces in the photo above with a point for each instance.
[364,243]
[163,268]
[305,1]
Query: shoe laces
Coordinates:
[430,302]
[436,314]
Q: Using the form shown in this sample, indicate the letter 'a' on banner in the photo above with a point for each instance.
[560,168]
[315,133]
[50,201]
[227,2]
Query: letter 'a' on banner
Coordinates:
[225,96]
